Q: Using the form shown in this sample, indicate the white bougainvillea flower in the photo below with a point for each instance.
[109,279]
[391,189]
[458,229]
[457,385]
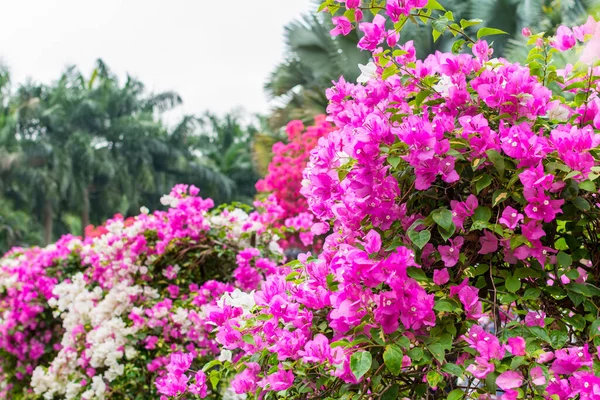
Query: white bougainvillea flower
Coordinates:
[367,72]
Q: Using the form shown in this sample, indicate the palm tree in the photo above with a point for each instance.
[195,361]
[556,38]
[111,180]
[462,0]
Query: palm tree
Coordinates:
[91,147]
[224,144]
[314,60]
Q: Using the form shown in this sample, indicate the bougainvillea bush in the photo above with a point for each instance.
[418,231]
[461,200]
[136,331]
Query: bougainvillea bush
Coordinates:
[284,174]
[28,332]
[104,317]
[464,254]
[284,181]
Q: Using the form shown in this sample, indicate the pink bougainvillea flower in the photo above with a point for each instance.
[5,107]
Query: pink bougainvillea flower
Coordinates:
[516,346]
[564,39]
[537,376]
[535,318]
[488,242]
[441,276]
[510,218]
[343,26]
[509,380]
[450,254]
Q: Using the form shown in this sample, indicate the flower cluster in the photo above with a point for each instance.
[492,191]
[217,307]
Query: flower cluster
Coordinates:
[463,256]
[28,332]
[289,159]
[105,315]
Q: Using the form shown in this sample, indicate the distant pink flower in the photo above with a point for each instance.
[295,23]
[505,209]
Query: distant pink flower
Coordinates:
[535,318]
[441,276]
[537,376]
[564,39]
[488,242]
[516,346]
[509,380]
[510,218]
[450,254]
[280,380]
[343,26]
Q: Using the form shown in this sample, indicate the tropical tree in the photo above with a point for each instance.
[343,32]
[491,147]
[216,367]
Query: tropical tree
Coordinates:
[88,147]
[225,144]
[314,60]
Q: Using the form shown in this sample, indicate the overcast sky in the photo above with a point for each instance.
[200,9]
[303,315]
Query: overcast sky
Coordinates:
[216,54]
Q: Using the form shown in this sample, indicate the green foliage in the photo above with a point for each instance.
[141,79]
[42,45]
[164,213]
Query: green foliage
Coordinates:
[75,152]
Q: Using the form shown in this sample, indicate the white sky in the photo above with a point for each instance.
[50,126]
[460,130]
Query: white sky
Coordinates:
[216,54]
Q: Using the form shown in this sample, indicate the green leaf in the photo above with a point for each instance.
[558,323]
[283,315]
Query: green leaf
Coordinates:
[489,32]
[499,196]
[595,328]
[389,71]
[465,24]
[447,234]
[540,333]
[581,203]
[443,218]
[564,260]
[585,289]
[456,394]
[512,284]
[498,160]
[452,369]
[392,357]
[249,339]
[215,377]
[434,378]
[482,214]
[517,362]
[417,274]
[391,393]
[416,353]
[422,95]
[483,182]
[434,5]
[457,45]
[532,293]
[588,186]
[558,338]
[437,350]
[394,161]
[360,363]
[419,239]
[444,306]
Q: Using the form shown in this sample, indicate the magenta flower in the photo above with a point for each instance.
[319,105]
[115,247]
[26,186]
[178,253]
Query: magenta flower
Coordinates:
[199,388]
[488,242]
[280,380]
[374,33]
[317,350]
[570,360]
[343,26]
[441,276]
[469,298]
[461,210]
[516,346]
[543,209]
[564,39]
[537,376]
[172,384]
[246,381]
[450,254]
[510,218]
[535,318]
[509,380]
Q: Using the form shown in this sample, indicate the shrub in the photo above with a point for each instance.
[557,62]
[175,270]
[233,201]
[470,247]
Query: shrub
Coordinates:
[463,261]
